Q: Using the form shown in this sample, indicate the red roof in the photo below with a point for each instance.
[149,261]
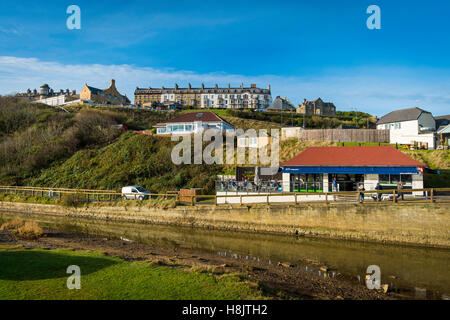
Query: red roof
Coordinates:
[204,116]
[353,156]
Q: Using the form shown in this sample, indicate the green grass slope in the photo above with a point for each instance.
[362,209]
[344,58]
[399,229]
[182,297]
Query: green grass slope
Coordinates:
[132,159]
[41,275]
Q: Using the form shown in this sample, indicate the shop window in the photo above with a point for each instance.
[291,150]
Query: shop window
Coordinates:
[394,179]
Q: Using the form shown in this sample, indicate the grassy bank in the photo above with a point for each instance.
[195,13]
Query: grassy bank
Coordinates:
[41,274]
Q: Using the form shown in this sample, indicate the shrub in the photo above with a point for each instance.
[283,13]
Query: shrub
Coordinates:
[73,199]
[12,225]
[30,230]
[23,229]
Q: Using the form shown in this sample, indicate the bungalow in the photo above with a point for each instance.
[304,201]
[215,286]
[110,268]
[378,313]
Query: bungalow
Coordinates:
[314,169]
[408,126]
[443,130]
[193,122]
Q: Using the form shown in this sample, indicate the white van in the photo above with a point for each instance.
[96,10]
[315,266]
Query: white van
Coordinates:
[135,193]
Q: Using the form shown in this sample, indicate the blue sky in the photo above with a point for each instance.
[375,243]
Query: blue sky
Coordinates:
[304,49]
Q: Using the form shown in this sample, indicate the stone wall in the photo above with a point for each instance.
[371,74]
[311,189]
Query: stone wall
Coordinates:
[414,224]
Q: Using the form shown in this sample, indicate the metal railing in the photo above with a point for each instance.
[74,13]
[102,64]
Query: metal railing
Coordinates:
[394,196]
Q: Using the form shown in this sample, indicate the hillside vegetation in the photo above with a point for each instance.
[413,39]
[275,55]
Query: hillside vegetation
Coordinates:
[45,146]
[131,160]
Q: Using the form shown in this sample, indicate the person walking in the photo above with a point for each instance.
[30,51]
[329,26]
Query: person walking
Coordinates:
[361,194]
[400,188]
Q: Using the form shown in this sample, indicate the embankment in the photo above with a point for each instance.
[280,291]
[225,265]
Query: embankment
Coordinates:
[413,224]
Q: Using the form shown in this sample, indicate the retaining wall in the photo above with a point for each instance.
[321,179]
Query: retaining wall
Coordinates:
[415,224]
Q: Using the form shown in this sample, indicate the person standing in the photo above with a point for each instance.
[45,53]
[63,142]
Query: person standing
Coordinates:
[378,187]
[334,185]
[361,194]
[400,188]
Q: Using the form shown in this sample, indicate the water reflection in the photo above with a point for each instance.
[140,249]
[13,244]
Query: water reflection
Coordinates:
[407,270]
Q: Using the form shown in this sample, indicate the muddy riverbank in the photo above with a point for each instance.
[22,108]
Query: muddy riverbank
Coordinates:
[281,280]
[304,267]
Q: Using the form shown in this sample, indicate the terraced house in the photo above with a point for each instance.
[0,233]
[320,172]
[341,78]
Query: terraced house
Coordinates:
[204,97]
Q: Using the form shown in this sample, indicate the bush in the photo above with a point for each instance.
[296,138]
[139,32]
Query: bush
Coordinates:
[73,199]
[23,229]
[12,225]
[30,230]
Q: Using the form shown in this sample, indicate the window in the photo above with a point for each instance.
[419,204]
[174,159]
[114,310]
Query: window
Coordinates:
[241,142]
[109,96]
[398,125]
[189,127]
[393,179]
[253,142]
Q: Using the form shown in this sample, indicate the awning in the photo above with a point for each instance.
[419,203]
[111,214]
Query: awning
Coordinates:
[352,170]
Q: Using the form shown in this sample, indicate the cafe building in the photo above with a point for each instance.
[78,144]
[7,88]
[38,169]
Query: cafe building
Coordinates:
[314,169]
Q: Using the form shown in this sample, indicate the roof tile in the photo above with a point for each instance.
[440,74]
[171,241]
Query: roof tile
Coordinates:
[353,156]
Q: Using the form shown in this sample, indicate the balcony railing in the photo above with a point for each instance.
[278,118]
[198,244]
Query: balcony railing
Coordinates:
[249,186]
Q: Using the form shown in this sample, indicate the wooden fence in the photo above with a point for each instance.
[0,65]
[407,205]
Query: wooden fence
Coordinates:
[345,135]
[428,195]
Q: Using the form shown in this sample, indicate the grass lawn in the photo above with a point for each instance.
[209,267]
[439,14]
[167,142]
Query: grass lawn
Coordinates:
[41,274]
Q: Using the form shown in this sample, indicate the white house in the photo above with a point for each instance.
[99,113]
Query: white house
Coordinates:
[407,126]
[236,98]
[193,122]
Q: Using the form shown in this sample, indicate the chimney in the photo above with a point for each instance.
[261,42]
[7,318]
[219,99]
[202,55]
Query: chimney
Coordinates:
[268,87]
[176,85]
[189,86]
[217,87]
[229,86]
[253,85]
[242,85]
[203,86]
[113,83]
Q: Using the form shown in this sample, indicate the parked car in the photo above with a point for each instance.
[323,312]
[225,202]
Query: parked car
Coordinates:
[135,193]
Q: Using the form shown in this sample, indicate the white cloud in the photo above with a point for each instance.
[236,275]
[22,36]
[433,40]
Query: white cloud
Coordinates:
[371,89]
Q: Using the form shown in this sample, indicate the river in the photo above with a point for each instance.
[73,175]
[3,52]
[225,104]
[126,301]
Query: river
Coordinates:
[416,272]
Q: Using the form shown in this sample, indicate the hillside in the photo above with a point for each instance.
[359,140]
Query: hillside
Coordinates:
[131,160]
[44,146]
